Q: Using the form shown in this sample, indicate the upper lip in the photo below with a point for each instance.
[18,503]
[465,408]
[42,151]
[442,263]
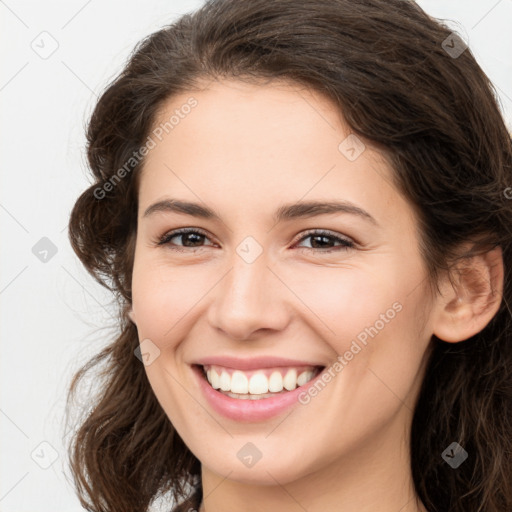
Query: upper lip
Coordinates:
[253,363]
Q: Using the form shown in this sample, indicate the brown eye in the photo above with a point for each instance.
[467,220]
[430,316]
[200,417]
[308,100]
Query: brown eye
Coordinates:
[323,241]
[190,239]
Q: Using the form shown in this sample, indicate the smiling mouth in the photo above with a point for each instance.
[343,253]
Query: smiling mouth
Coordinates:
[257,384]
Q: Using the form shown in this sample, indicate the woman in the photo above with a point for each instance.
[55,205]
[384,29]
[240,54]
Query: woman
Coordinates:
[301,208]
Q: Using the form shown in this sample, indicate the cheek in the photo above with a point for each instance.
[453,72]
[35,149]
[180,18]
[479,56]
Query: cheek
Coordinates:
[373,319]
[164,299]
[342,301]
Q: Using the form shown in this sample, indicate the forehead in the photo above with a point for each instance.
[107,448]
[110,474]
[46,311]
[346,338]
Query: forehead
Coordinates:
[267,143]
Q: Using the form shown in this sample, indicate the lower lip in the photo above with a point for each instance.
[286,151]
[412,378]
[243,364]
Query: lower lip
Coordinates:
[249,410]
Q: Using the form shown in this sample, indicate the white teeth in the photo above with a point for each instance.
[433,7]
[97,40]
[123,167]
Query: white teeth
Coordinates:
[249,397]
[238,384]
[213,379]
[290,380]
[225,381]
[275,383]
[258,384]
[304,377]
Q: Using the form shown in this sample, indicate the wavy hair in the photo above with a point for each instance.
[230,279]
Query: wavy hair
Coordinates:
[386,66]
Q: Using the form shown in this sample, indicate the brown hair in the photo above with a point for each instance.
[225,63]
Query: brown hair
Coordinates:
[435,115]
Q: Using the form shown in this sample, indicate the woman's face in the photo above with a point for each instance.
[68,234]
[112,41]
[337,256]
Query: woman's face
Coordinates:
[270,284]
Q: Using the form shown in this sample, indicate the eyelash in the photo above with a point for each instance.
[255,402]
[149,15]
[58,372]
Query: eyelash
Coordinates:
[345,243]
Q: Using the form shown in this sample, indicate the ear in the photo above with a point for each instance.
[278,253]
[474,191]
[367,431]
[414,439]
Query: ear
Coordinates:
[469,302]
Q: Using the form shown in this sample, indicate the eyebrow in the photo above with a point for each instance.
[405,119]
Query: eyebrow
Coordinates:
[300,210]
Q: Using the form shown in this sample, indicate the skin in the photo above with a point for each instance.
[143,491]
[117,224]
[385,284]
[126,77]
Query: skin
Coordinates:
[243,151]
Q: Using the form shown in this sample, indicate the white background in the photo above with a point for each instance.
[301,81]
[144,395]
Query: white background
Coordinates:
[53,314]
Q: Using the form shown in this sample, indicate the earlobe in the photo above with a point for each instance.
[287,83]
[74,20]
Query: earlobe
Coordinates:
[131,315]
[468,303]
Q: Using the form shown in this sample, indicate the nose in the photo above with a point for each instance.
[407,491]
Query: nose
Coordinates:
[249,299]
